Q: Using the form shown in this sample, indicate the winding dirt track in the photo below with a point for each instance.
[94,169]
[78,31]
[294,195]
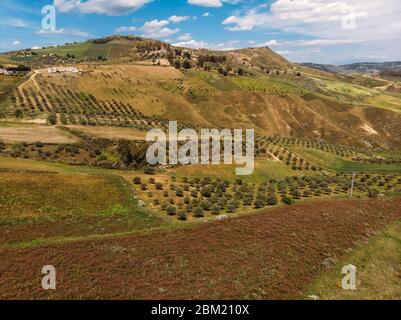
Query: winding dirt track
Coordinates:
[271,255]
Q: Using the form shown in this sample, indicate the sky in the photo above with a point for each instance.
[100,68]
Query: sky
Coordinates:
[319,31]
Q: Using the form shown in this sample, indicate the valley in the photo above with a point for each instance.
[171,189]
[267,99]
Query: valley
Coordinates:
[77,192]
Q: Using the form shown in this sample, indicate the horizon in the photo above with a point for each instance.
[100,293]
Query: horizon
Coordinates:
[304,31]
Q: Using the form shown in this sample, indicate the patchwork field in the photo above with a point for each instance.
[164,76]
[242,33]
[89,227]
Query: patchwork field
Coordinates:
[271,255]
[77,191]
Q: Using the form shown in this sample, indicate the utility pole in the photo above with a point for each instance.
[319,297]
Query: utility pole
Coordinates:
[352,184]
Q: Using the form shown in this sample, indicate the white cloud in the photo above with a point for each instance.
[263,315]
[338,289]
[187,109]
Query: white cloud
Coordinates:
[16,43]
[178,19]
[206,3]
[124,29]
[206,14]
[185,37]
[108,7]
[158,29]
[306,43]
[366,25]
[63,32]
[192,44]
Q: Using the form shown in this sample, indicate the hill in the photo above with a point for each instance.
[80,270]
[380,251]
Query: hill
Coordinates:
[132,81]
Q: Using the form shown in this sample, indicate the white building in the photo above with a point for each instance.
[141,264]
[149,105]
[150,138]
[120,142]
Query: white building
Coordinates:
[62,70]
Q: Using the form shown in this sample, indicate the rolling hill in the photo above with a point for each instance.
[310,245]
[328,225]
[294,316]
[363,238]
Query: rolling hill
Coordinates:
[143,82]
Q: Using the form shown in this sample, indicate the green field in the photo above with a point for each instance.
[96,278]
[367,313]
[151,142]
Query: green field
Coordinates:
[378,271]
[90,50]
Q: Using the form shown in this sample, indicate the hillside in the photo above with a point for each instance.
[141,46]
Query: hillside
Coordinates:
[132,81]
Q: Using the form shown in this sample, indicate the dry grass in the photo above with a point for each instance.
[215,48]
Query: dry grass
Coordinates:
[112,132]
[31,134]
[44,194]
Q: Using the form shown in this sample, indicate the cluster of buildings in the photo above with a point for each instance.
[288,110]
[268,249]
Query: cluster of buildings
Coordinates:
[63,70]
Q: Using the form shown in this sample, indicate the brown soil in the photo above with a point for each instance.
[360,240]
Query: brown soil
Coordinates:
[271,255]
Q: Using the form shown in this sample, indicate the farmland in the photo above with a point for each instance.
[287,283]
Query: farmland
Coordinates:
[271,255]
[77,192]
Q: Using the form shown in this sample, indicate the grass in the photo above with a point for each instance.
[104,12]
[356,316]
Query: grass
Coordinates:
[48,194]
[264,170]
[378,270]
[336,163]
[81,50]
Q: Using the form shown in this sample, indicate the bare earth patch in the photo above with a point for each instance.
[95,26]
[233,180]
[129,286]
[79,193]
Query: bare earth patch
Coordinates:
[112,132]
[31,134]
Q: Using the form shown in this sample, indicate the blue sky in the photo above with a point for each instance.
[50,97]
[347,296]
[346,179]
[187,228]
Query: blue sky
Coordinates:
[321,31]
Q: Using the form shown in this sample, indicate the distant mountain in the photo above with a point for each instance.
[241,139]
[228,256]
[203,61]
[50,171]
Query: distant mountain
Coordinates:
[392,68]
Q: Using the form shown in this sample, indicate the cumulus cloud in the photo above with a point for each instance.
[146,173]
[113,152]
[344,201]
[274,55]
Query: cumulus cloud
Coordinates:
[194,44]
[125,29]
[115,7]
[185,37]
[357,27]
[158,29]
[177,19]
[206,3]
[16,43]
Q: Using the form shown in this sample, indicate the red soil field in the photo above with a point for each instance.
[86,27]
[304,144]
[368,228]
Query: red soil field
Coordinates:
[271,255]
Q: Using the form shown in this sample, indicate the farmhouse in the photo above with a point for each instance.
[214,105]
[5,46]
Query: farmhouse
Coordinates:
[62,70]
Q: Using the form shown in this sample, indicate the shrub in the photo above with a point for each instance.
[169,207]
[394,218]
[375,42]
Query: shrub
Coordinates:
[137,180]
[373,193]
[288,201]
[271,200]
[179,193]
[144,187]
[199,212]
[259,203]
[159,186]
[52,118]
[171,210]
[149,170]
[152,180]
[182,215]
[232,206]
[216,209]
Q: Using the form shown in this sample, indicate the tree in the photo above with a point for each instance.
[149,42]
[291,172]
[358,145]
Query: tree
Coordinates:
[52,118]
[288,200]
[187,65]
[182,215]
[199,212]
[177,64]
[271,200]
[216,209]
[124,150]
[171,210]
